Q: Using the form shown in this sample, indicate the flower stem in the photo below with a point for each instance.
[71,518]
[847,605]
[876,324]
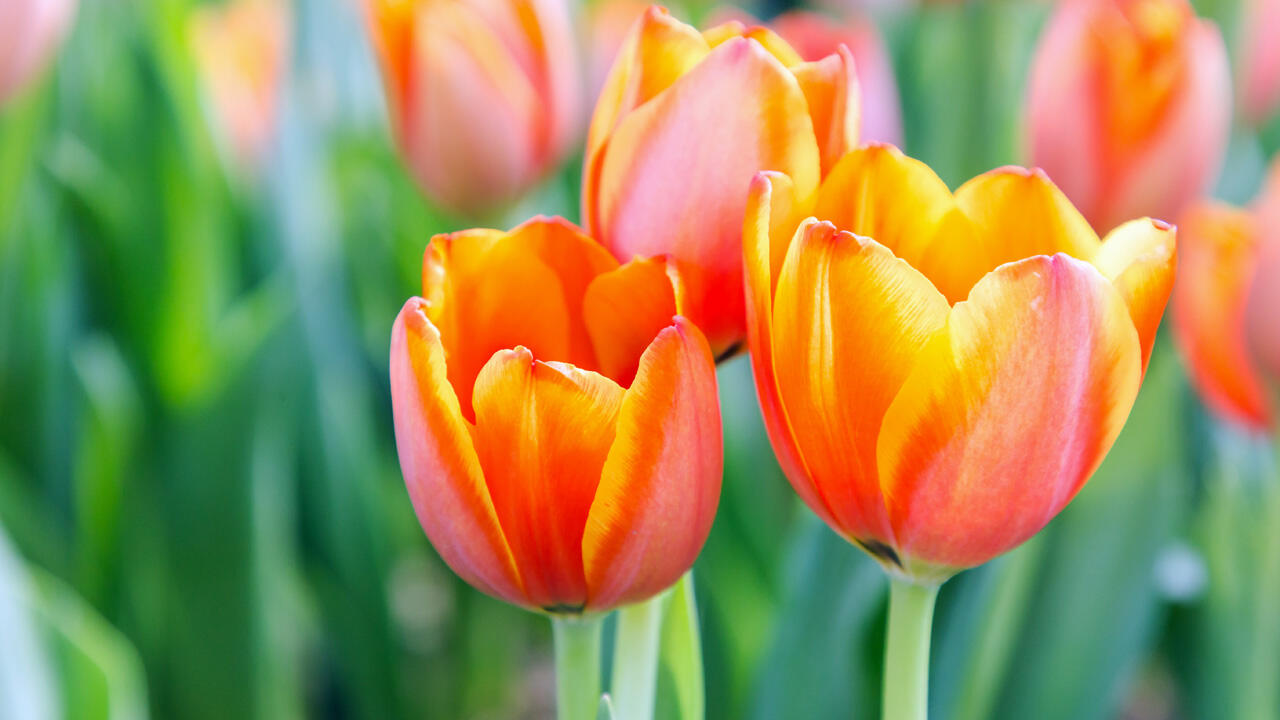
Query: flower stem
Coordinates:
[577,643]
[635,658]
[906,664]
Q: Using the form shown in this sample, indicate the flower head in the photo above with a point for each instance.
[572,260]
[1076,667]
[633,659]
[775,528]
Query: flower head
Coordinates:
[556,419]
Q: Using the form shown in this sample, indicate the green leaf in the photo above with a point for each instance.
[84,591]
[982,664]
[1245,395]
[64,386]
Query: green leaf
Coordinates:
[681,652]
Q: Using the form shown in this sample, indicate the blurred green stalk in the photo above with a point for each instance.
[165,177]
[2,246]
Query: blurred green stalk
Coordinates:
[577,650]
[635,658]
[906,657]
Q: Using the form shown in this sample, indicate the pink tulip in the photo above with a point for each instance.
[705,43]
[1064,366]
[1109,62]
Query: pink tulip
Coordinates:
[1263,313]
[30,30]
[484,94]
[1129,106]
[1260,60]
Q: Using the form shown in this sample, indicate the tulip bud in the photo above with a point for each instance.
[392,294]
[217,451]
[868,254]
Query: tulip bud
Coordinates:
[483,96]
[29,32]
[1129,106]
[240,50]
[1259,75]
[684,120]
[556,418]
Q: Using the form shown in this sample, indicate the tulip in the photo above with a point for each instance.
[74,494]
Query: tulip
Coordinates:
[1129,106]
[1226,339]
[556,419]
[30,30]
[483,96]
[1262,318]
[940,374]
[684,121]
[1259,75]
[241,49]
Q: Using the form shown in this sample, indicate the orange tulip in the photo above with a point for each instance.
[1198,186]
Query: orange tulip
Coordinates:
[1129,106]
[484,96]
[1259,75]
[684,120]
[241,49]
[941,373]
[556,420]
[30,30]
[1226,344]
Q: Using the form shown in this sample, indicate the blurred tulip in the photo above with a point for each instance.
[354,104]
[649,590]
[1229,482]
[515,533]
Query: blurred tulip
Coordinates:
[558,428]
[30,30]
[1129,106]
[940,374]
[1226,339]
[1259,74]
[484,95]
[684,120]
[1263,314]
[241,49]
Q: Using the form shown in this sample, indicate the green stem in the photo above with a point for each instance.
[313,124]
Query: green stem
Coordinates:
[577,642]
[906,663]
[635,658]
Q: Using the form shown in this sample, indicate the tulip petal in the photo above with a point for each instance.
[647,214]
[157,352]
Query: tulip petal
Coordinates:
[772,210]
[1008,411]
[661,482]
[542,433]
[1218,250]
[839,295]
[830,87]
[490,291]
[1013,213]
[878,192]
[675,173]
[1140,259]
[768,39]
[441,469]
[624,310]
[657,51]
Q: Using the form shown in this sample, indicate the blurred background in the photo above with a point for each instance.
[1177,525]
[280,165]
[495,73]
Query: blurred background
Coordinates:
[206,231]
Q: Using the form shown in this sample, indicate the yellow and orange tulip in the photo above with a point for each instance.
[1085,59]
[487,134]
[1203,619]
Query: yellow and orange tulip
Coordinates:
[30,30]
[941,373]
[484,96]
[556,420]
[1227,341]
[683,122]
[241,49]
[1129,106]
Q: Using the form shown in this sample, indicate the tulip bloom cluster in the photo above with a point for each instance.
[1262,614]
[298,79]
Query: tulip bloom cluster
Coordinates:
[1226,308]
[556,419]
[1129,106]
[1009,346]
